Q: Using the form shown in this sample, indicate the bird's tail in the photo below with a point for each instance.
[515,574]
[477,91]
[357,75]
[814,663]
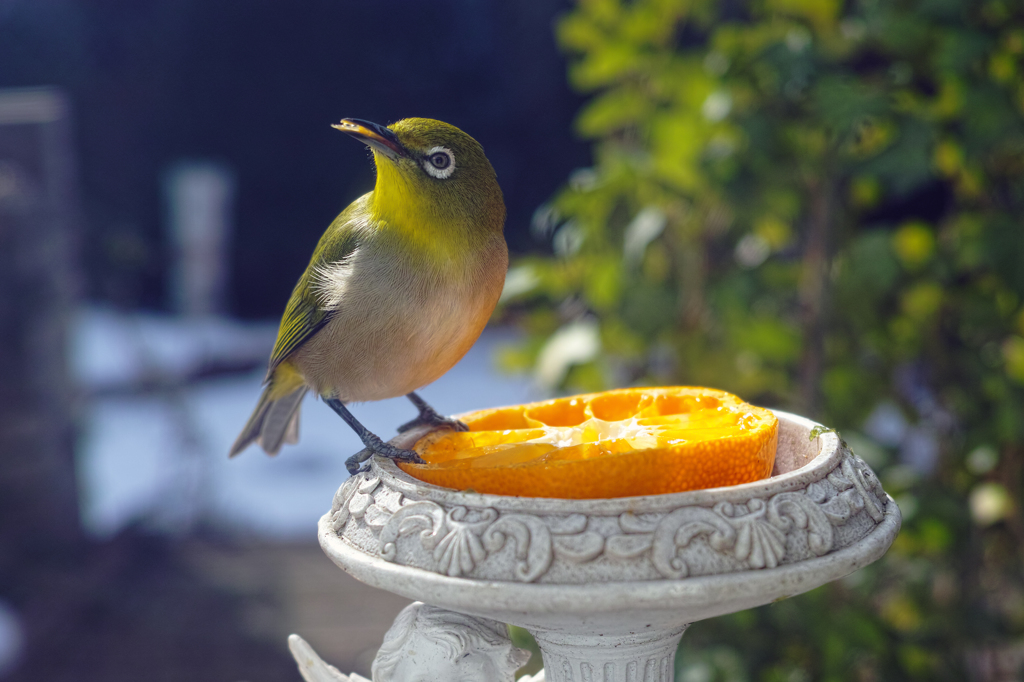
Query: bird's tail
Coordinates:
[275,420]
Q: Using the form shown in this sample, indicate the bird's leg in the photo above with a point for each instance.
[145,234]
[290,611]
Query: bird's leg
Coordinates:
[374,445]
[429,416]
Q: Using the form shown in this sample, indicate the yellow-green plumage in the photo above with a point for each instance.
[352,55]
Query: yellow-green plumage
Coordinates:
[400,285]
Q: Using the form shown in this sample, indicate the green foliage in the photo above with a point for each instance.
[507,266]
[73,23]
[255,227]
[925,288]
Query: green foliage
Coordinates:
[817,205]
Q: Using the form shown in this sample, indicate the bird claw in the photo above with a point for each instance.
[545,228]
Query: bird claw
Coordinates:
[359,461]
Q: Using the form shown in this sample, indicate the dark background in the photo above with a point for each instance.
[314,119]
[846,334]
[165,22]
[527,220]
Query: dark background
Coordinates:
[255,84]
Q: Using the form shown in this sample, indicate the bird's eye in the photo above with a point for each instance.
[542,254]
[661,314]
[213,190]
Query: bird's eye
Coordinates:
[440,160]
[439,163]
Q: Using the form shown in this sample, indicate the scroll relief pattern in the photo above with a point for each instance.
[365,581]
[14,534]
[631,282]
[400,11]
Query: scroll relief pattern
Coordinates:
[753,535]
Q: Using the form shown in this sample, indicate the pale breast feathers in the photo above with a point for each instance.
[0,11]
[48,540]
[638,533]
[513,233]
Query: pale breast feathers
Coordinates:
[332,281]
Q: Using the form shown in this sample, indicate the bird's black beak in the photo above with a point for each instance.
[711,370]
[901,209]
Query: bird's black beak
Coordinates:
[373,135]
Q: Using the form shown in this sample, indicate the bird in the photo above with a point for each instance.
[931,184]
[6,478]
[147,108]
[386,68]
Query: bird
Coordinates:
[399,287]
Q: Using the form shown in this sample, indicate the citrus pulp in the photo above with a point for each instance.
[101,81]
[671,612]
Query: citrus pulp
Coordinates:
[619,443]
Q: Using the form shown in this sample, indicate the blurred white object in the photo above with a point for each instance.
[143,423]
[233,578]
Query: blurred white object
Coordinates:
[641,231]
[752,250]
[519,281]
[573,344]
[200,195]
[717,106]
[12,638]
[112,350]
[990,503]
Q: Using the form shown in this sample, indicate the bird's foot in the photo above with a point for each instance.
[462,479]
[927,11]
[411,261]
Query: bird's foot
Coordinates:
[375,446]
[429,417]
[434,420]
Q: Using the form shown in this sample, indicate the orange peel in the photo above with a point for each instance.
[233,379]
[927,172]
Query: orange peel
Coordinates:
[619,443]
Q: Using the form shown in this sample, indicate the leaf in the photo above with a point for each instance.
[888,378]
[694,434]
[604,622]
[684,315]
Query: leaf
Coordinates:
[1013,356]
[611,111]
[914,244]
[844,102]
[606,65]
[821,14]
[907,164]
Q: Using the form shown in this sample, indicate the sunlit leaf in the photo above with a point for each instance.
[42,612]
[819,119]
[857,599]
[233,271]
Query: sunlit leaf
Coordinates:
[1013,355]
[820,13]
[611,111]
[914,243]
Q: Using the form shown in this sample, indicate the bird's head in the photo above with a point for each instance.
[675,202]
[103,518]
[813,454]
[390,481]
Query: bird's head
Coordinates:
[432,175]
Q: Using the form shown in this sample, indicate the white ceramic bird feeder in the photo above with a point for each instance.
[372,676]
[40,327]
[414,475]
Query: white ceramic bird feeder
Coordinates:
[607,587]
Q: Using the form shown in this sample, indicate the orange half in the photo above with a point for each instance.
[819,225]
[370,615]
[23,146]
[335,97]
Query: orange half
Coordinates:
[632,441]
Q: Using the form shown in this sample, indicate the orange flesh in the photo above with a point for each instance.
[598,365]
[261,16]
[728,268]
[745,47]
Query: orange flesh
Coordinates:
[635,441]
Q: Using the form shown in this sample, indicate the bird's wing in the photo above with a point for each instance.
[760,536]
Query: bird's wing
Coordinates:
[305,313]
[302,318]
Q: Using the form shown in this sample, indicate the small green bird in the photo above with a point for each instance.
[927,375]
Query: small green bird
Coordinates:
[398,289]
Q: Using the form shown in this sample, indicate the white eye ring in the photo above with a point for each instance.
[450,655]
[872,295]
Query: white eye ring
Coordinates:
[435,163]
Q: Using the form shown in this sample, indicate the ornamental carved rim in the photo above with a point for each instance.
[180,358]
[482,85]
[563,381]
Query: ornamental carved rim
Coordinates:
[825,505]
